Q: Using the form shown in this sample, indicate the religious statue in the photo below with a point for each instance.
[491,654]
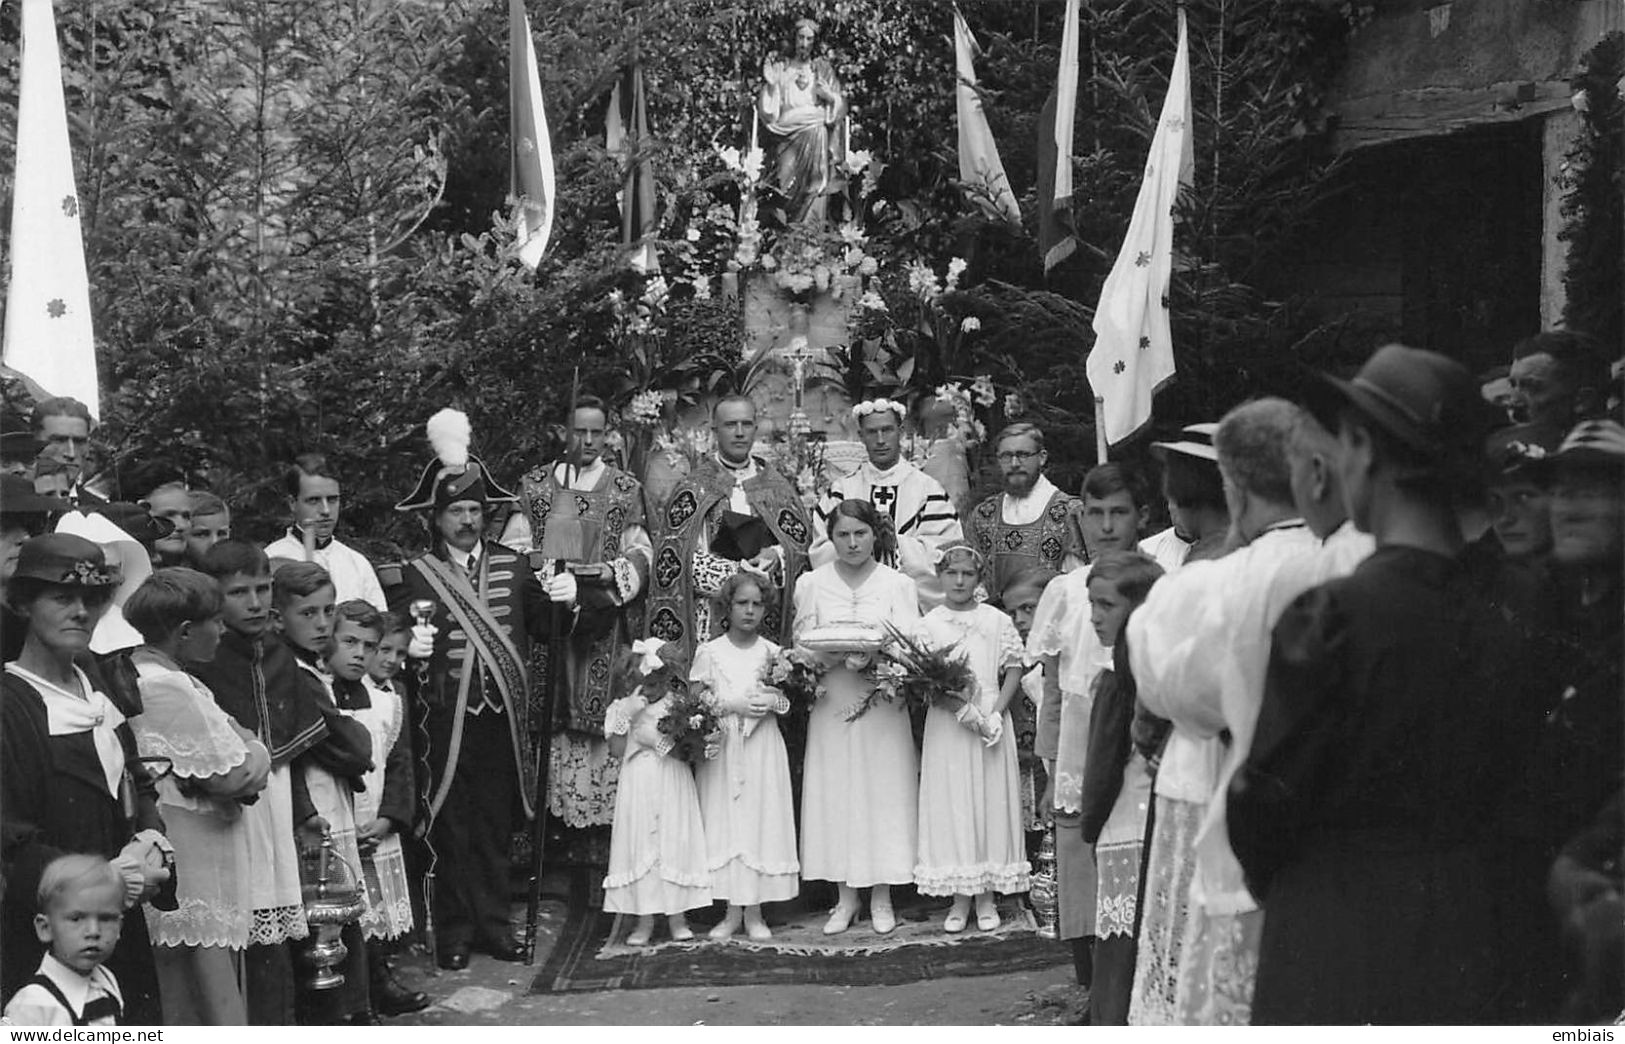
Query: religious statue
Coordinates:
[803,104]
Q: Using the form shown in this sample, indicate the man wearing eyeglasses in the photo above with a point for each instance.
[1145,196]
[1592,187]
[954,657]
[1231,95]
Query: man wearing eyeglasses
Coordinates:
[1032,522]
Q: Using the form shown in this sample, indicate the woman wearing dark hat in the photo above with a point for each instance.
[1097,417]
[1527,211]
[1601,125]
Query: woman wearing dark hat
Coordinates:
[1367,814]
[23,514]
[66,761]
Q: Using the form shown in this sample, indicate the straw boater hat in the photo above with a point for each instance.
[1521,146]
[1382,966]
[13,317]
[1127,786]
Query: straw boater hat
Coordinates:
[454,474]
[1195,440]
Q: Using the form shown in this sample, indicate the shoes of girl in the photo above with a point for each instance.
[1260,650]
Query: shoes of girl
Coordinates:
[987,915]
[680,931]
[955,921]
[840,919]
[758,931]
[882,916]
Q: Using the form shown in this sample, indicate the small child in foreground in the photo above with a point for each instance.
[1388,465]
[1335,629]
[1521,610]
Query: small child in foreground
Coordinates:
[81,914]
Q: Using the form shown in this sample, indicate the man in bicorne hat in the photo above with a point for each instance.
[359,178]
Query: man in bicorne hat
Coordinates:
[478,606]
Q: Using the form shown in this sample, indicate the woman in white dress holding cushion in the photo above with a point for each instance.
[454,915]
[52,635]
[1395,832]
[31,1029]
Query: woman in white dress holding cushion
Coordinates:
[861,782]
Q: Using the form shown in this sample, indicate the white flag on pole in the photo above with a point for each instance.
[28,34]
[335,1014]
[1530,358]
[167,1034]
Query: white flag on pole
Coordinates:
[1133,354]
[48,335]
[530,166]
[979,164]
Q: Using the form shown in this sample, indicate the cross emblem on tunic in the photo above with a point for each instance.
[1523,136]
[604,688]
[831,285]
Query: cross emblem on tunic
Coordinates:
[884,498]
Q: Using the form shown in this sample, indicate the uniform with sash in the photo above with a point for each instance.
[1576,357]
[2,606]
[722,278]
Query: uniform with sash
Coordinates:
[471,699]
[474,707]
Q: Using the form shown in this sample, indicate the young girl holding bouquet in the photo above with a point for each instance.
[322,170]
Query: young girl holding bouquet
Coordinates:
[750,829]
[970,805]
[657,843]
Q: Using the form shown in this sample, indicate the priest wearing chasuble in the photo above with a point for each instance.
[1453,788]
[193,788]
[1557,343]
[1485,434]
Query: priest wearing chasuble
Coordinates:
[734,513]
[589,514]
[1032,523]
[484,607]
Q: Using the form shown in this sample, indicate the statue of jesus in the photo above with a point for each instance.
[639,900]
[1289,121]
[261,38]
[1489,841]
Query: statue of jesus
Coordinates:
[802,102]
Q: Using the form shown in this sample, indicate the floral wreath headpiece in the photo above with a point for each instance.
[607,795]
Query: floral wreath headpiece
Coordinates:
[868,406]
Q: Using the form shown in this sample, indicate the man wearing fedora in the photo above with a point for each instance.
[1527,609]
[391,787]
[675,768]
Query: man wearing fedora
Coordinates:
[1367,816]
[477,606]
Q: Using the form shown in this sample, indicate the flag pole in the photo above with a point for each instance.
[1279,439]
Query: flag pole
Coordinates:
[1100,430]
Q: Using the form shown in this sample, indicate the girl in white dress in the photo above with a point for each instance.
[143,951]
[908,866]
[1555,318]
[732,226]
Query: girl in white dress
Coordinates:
[657,851]
[971,840]
[750,827]
[861,784]
[199,946]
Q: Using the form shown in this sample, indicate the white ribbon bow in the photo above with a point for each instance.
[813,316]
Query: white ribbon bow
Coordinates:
[67,714]
[649,649]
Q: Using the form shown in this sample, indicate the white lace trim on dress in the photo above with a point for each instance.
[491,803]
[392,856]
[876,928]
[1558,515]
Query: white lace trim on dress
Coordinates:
[268,927]
[973,880]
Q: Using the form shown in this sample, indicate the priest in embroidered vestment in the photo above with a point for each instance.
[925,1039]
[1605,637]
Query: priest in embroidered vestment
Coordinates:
[1032,523]
[733,513]
[589,514]
[917,506]
[471,690]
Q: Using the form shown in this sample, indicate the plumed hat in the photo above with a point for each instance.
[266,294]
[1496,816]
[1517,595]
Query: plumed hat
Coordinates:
[454,474]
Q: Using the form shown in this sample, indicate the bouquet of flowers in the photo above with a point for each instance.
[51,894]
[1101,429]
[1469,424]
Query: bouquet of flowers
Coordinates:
[926,676]
[653,668]
[883,675]
[691,725]
[796,673]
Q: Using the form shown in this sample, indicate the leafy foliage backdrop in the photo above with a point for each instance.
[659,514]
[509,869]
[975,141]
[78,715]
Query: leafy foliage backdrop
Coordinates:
[293,212]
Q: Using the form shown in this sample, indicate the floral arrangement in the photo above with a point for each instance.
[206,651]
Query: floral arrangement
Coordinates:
[966,427]
[909,670]
[691,725]
[884,676]
[925,676]
[797,673]
[654,669]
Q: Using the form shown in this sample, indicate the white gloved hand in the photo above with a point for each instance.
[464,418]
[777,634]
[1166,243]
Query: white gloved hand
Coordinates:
[562,589]
[970,716]
[992,730]
[422,645]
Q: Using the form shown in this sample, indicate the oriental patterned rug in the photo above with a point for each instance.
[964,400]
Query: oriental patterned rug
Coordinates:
[591,954]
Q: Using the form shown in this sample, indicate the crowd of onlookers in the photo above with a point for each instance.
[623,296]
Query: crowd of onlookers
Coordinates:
[1343,743]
